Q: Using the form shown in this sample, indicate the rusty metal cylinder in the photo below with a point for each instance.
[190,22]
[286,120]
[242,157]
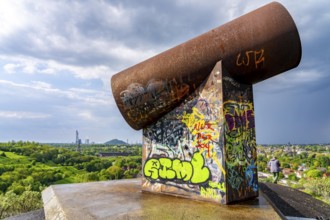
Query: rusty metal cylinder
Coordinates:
[253,47]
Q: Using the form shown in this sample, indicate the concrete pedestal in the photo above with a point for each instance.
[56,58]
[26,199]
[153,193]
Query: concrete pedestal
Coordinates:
[123,199]
[205,148]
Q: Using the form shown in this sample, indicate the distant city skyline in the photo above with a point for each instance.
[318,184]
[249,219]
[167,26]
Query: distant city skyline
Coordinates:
[57,58]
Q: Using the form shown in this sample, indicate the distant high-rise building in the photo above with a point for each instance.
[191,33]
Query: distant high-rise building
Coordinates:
[78,141]
[87,141]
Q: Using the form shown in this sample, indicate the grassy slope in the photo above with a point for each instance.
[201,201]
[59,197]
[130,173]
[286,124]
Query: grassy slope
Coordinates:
[19,161]
[14,159]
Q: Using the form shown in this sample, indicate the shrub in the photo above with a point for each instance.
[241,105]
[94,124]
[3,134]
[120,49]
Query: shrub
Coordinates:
[13,204]
[293,177]
[319,187]
[269,179]
[88,177]
[115,172]
[314,173]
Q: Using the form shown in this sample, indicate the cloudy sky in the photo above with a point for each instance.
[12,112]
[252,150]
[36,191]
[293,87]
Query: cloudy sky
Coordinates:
[57,58]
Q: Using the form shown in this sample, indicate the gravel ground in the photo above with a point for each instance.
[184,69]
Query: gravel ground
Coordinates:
[292,202]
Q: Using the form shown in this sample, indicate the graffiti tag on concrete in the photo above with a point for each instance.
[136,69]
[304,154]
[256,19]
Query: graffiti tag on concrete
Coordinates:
[194,171]
[206,132]
[240,134]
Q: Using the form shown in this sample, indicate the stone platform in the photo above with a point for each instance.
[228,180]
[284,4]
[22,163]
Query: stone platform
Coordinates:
[123,199]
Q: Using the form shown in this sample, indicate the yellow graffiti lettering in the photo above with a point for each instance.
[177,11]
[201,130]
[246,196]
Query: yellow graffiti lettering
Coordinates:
[192,171]
[166,171]
[206,132]
[201,173]
[215,158]
[193,119]
[219,186]
[210,193]
[151,168]
[182,169]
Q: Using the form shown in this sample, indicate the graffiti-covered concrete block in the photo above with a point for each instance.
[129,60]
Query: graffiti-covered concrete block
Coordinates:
[205,148]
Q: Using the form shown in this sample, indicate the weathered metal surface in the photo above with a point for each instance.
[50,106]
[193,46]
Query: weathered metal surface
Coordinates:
[254,47]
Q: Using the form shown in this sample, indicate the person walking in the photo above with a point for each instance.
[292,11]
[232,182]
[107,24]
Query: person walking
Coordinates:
[274,167]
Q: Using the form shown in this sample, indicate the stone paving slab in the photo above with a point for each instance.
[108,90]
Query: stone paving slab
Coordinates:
[33,215]
[123,199]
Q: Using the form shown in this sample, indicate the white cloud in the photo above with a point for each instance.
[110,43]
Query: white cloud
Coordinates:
[11,67]
[305,76]
[86,115]
[299,79]
[23,115]
[41,85]
[33,65]
[13,17]
[20,65]
[34,85]
[95,97]
[67,36]
[29,65]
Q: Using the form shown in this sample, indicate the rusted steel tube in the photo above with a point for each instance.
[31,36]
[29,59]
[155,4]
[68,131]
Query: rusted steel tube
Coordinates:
[253,47]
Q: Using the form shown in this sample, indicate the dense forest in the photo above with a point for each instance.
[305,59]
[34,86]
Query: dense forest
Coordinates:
[26,168]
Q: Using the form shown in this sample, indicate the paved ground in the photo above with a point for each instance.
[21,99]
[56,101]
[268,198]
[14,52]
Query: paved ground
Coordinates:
[292,202]
[287,201]
[34,215]
[123,199]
